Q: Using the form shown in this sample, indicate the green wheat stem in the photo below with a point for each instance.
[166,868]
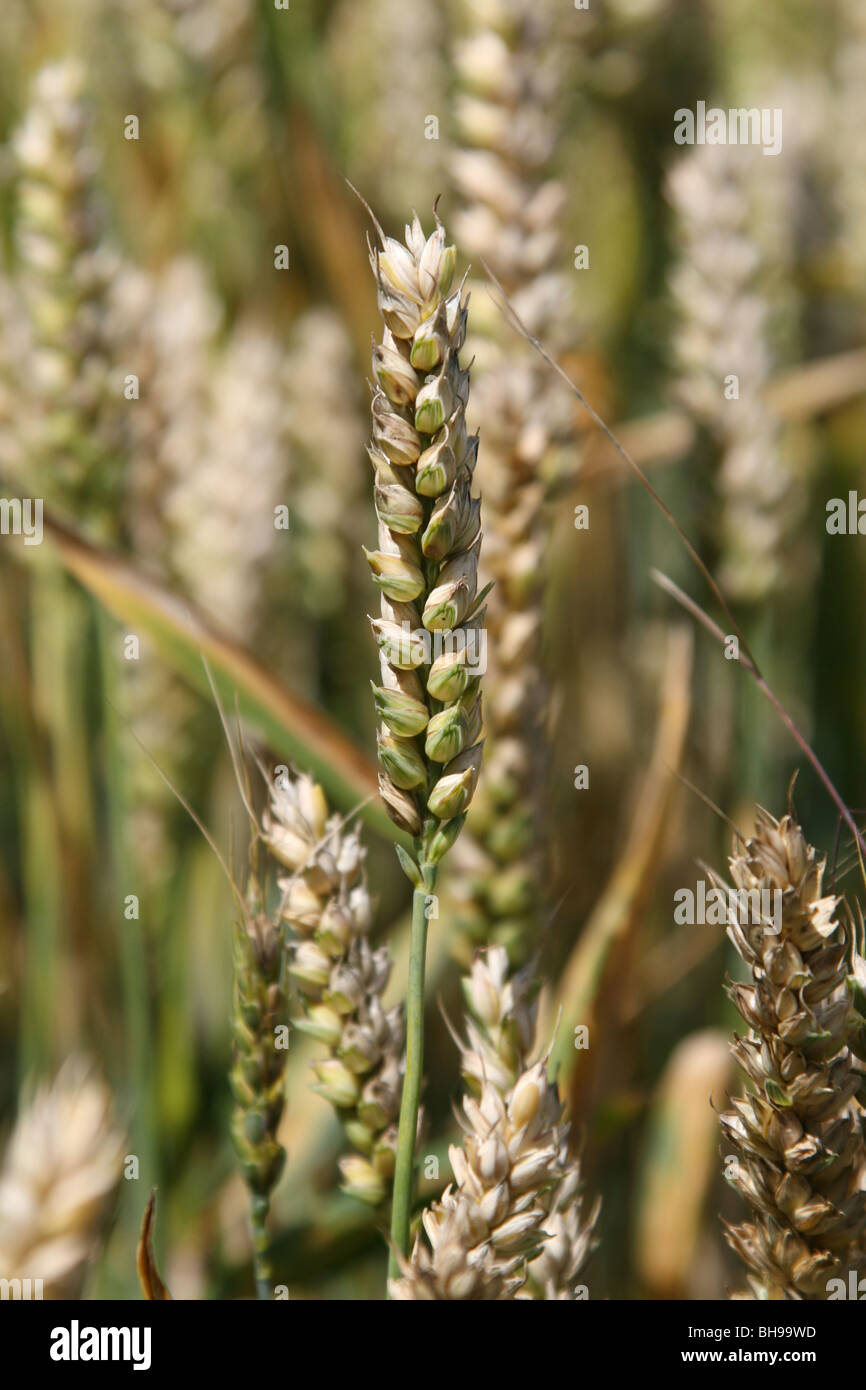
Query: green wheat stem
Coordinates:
[131,947]
[57,813]
[262,1270]
[133,954]
[410,1099]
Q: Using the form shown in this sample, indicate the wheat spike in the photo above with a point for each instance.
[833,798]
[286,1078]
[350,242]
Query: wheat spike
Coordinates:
[388,61]
[723,333]
[797,1134]
[426,565]
[257,1075]
[72,421]
[325,431]
[222,510]
[511,1224]
[509,215]
[340,975]
[61,1170]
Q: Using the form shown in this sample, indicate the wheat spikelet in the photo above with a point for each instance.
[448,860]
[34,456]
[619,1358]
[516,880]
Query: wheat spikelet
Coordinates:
[61,1169]
[340,975]
[569,1238]
[797,1134]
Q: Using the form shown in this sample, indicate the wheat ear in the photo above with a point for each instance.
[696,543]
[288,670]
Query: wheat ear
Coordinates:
[71,421]
[511,1224]
[341,977]
[60,1173]
[723,330]
[426,567]
[257,1075]
[797,1135]
[508,217]
[260,1048]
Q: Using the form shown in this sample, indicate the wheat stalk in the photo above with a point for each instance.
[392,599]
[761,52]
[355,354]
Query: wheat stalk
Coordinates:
[61,1171]
[798,1133]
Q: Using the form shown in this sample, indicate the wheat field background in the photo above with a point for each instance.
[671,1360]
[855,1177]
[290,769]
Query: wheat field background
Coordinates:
[616,421]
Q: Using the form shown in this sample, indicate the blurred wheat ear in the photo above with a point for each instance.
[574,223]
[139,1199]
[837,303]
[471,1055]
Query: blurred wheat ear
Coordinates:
[60,1175]
[507,70]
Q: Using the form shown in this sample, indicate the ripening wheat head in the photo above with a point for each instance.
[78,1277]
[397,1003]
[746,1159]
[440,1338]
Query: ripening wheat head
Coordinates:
[71,411]
[511,1225]
[60,1172]
[505,123]
[341,977]
[797,1135]
[426,564]
[723,346]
